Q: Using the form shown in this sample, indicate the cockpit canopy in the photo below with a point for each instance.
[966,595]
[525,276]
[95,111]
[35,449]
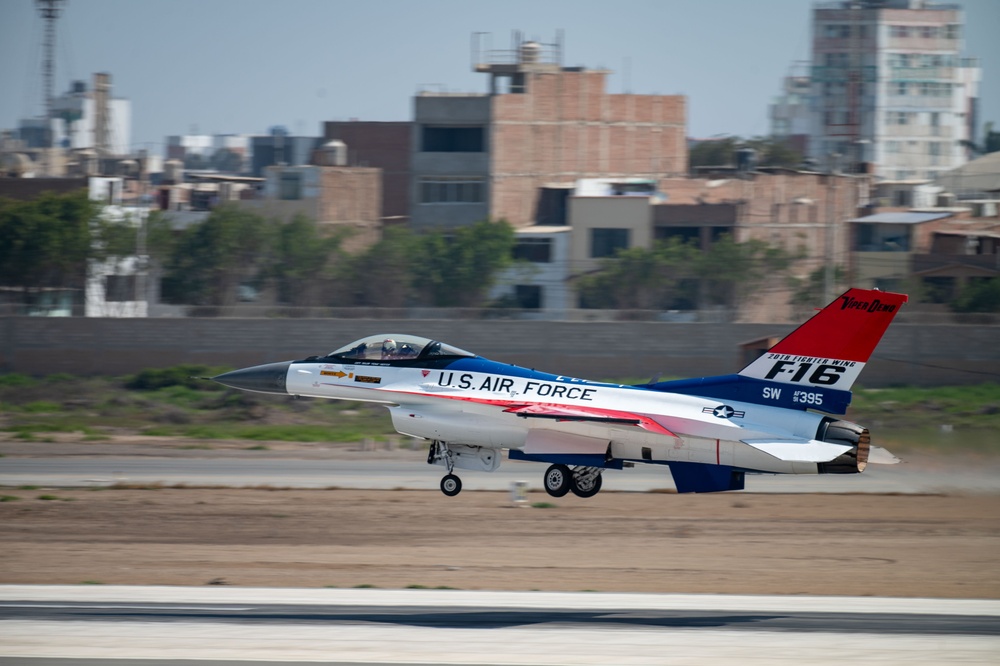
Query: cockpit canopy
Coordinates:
[391,347]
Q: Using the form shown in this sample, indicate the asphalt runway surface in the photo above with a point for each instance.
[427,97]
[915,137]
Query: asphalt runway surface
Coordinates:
[414,473]
[66,625]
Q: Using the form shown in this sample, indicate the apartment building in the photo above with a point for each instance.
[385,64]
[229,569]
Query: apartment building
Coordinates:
[491,155]
[891,93]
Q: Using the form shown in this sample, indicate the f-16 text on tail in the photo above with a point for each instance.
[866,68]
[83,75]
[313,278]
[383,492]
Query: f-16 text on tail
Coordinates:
[773,417]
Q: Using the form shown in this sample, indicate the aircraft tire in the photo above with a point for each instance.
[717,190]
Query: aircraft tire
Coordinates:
[451,485]
[558,480]
[593,489]
[590,491]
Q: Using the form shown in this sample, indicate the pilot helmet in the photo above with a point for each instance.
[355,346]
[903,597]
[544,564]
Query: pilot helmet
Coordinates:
[389,346]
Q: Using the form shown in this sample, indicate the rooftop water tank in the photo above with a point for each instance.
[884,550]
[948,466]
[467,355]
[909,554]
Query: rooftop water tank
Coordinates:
[173,171]
[332,153]
[128,168]
[530,52]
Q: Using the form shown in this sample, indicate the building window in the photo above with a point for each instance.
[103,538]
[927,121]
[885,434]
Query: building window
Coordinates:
[290,185]
[898,118]
[443,189]
[528,296]
[535,250]
[952,31]
[119,288]
[453,139]
[605,242]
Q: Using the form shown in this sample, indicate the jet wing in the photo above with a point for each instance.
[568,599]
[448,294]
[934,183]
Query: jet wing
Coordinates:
[798,449]
[588,414]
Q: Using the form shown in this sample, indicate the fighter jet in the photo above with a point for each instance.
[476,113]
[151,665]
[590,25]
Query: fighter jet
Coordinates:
[778,415]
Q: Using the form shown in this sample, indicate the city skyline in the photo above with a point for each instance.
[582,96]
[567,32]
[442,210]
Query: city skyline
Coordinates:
[241,67]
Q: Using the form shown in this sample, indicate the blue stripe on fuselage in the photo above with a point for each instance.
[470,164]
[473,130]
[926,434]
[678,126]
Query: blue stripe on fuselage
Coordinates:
[760,392]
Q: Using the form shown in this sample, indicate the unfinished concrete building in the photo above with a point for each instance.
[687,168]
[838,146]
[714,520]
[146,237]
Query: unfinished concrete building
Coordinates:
[490,155]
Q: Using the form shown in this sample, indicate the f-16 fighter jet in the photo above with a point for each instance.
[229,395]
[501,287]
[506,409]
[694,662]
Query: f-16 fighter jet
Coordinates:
[778,415]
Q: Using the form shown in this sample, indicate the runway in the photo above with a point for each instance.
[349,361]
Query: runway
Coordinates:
[411,472]
[153,626]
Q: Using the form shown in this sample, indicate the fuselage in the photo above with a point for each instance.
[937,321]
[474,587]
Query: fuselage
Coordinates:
[464,401]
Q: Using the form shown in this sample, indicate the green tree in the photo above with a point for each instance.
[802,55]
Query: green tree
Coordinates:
[456,268]
[982,295]
[731,272]
[209,261]
[713,152]
[47,243]
[810,291]
[674,274]
[989,144]
[774,151]
[304,262]
[657,278]
[380,276]
[771,151]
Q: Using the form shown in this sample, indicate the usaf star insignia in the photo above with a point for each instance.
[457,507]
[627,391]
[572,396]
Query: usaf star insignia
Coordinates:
[723,412]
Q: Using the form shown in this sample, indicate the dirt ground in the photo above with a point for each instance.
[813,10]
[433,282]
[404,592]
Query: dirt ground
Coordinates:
[887,545]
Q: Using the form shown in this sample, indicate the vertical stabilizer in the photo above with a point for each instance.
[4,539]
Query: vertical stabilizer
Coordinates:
[831,349]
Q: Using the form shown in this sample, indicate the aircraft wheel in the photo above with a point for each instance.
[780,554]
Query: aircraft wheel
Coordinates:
[587,488]
[451,485]
[558,480]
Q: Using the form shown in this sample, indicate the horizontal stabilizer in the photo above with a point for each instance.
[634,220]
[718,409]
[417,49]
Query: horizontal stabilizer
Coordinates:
[879,456]
[798,450]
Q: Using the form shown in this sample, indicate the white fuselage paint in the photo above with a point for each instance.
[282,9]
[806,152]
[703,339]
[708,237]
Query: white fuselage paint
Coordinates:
[468,408]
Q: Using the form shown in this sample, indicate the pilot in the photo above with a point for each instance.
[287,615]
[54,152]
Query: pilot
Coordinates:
[388,348]
[406,350]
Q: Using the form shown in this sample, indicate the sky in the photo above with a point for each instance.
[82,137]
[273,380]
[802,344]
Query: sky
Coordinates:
[243,66]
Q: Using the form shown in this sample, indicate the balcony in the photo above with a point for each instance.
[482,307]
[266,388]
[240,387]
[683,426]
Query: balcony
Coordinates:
[920,131]
[917,102]
[922,74]
[842,74]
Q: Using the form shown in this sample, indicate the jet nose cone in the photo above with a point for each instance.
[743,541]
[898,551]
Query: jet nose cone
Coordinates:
[268,378]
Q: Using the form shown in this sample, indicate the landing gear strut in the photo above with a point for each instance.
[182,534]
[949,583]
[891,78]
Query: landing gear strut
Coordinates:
[586,481]
[451,485]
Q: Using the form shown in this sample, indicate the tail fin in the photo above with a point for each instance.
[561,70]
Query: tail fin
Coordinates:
[831,349]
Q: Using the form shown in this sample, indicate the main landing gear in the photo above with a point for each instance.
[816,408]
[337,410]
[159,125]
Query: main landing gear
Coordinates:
[581,481]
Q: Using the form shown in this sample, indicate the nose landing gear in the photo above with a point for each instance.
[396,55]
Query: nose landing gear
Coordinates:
[439,453]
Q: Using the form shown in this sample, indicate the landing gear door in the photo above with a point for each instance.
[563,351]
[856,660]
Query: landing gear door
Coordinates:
[463,456]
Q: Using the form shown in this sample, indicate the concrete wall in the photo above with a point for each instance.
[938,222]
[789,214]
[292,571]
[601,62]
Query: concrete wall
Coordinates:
[909,354]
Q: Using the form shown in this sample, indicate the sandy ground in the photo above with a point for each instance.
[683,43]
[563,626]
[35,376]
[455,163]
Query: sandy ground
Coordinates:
[928,546]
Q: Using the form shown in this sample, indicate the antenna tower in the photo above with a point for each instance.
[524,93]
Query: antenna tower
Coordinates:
[49,9]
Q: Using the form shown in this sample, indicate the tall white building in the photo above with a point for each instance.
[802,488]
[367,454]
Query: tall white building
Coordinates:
[889,87]
[790,112]
[93,118]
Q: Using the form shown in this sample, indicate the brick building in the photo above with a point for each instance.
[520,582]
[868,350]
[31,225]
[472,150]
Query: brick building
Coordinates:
[383,145]
[489,155]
